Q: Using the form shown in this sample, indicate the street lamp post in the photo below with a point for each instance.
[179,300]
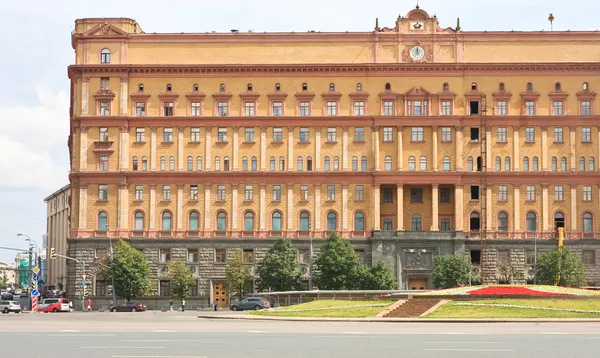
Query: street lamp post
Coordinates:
[29,275]
[112,270]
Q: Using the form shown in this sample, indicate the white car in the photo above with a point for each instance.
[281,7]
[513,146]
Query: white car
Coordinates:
[10,306]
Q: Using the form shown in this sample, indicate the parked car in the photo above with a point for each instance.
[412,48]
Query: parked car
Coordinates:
[10,306]
[250,303]
[129,307]
[6,296]
[54,305]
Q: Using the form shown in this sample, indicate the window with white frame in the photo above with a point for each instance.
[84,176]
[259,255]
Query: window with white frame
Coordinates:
[359,134]
[221,193]
[501,108]
[359,108]
[195,109]
[195,135]
[304,192]
[102,192]
[530,192]
[417,134]
[330,192]
[359,194]
[446,134]
[304,108]
[587,193]
[304,135]
[502,134]
[168,109]
[277,135]
[103,163]
[249,193]
[276,192]
[586,134]
[222,108]
[277,108]
[168,135]
[140,109]
[446,108]
[166,192]
[331,135]
[388,134]
[104,108]
[104,83]
[502,193]
[222,135]
[586,108]
[139,192]
[104,134]
[249,108]
[388,108]
[417,108]
[194,192]
[558,135]
[558,108]
[331,108]
[558,193]
[249,135]
[529,108]
[530,134]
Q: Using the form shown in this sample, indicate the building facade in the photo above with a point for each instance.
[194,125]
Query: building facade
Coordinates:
[57,231]
[411,141]
[8,274]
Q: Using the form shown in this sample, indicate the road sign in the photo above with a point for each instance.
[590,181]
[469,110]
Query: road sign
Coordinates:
[83,276]
[34,303]
[35,277]
[35,293]
[36,270]
[83,282]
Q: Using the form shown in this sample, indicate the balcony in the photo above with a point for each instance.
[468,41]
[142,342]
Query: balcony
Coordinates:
[103,146]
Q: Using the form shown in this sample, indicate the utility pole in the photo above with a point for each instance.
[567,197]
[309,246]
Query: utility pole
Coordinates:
[112,270]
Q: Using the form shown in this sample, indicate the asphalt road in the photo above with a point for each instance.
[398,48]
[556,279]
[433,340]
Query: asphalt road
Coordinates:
[179,335]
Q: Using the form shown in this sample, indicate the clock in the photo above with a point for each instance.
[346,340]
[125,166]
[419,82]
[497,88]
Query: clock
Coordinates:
[417,53]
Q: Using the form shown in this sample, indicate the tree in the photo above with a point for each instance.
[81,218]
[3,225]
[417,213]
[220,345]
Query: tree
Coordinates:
[278,270]
[239,279]
[560,267]
[131,271]
[451,271]
[182,279]
[336,265]
[4,282]
[378,277]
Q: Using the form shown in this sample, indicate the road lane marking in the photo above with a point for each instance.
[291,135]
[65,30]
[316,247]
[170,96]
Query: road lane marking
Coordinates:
[468,350]
[159,357]
[160,340]
[116,347]
[257,332]
[354,333]
[70,330]
[463,342]
[552,333]
[162,331]
[82,335]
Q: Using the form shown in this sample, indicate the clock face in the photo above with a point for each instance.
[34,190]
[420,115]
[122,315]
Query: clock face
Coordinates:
[417,53]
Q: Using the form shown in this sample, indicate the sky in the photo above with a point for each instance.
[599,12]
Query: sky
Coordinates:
[36,50]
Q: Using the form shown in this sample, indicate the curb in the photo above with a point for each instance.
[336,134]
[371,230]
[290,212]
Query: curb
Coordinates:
[401,320]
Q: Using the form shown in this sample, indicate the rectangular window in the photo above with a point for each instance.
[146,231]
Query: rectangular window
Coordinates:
[248,256]
[474,134]
[278,108]
[388,196]
[558,135]
[586,134]
[501,108]
[388,134]
[249,108]
[168,109]
[249,136]
[417,134]
[304,135]
[416,195]
[331,135]
[305,108]
[530,192]
[417,108]
[529,257]
[195,135]
[194,192]
[164,288]
[277,135]
[502,134]
[361,255]
[165,255]
[530,134]
[195,109]
[503,257]
[222,108]
[221,192]
[304,192]
[168,135]
[304,256]
[587,193]
[140,109]
[104,108]
[474,192]
[529,108]
[388,108]
[139,192]
[248,196]
[446,108]
[222,135]
[276,192]
[331,108]
[445,224]
[220,256]
[359,194]
[446,134]
[166,192]
[502,193]
[104,83]
[388,224]
[140,134]
[359,134]
[558,193]
[101,288]
[588,257]
[102,192]
[194,289]
[558,108]
[103,164]
[475,257]
[586,108]
[330,192]
[474,107]
[104,134]
[359,108]
[444,195]
[192,256]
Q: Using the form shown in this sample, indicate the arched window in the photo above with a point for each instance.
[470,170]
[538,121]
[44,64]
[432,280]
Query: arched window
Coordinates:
[249,221]
[327,164]
[163,163]
[336,163]
[554,164]
[535,164]
[144,163]
[190,163]
[581,164]
[388,86]
[222,87]
[592,166]
[445,86]
[281,164]
[474,222]
[470,164]
[141,87]
[563,164]
[272,164]
[525,164]
[309,166]
[166,221]
[358,87]
[479,164]
[585,87]
[277,87]
[501,86]
[245,164]
[331,221]
[473,86]
[529,87]
[135,163]
[331,87]
[102,221]
[412,164]
[304,221]
[139,220]
[169,87]
[194,221]
[198,163]
[363,164]
[388,163]
[195,87]
[502,221]
[359,221]
[217,163]
[226,166]
[354,164]
[276,221]
[299,164]
[254,164]
[588,224]
[423,164]
[171,163]
[531,221]
[557,87]
[249,87]
[498,164]
[105,56]
[416,222]
[305,87]
[446,164]
[507,164]
[221,221]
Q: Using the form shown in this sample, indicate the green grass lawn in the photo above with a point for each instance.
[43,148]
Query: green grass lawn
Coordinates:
[329,308]
[450,310]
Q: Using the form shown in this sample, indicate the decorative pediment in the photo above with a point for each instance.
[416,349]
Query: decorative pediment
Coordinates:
[305,95]
[168,96]
[222,95]
[417,92]
[447,94]
[249,96]
[331,95]
[277,96]
[105,29]
[558,96]
[530,95]
[104,94]
[502,95]
[358,95]
[195,96]
[389,95]
[140,95]
[586,95]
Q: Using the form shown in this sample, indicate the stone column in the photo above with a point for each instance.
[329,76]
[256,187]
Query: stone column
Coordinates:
[597,163]
[488,198]
[124,148]
[545,207]
[544,148]
[376,148]
[263,148]
[434,154]
[262,206]
[235,189]
[234,156]
[317,219]
[317,148]
[153,149]
[400,207]
[572,132]
[207,211]
[459,150]
[180,206]
[488,146]
[400,158]
[517,208]
[290,206]
[376,207]
[516,155]
[458,208]
[85,95]
[83,148]
[180,161]
[152,216]
[124,97]
[207,158]
[435,207]
[83,204]
[123,206]
[291,149]
[573,208]
[345,148]
[344,206]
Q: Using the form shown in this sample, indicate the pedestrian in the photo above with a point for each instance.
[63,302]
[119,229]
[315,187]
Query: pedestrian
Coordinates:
[216,305]
[70,306]
[183,305]
[171,304]
[89,308]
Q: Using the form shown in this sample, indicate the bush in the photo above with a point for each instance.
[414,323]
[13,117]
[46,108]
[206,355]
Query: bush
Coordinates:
[560,267]
[451,271]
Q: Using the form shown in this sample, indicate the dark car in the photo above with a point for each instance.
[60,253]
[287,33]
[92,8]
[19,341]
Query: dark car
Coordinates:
[129,307]
[250,303]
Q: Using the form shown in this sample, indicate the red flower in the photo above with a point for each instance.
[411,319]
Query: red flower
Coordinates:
[512,290]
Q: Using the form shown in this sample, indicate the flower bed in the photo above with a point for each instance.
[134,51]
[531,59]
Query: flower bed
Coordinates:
[508,290]
[512,290]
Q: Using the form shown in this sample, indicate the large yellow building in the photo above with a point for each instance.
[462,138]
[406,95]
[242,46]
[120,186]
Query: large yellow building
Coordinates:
[411,141]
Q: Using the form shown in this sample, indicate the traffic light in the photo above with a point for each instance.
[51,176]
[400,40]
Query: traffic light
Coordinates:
[85,292]
[52,253]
